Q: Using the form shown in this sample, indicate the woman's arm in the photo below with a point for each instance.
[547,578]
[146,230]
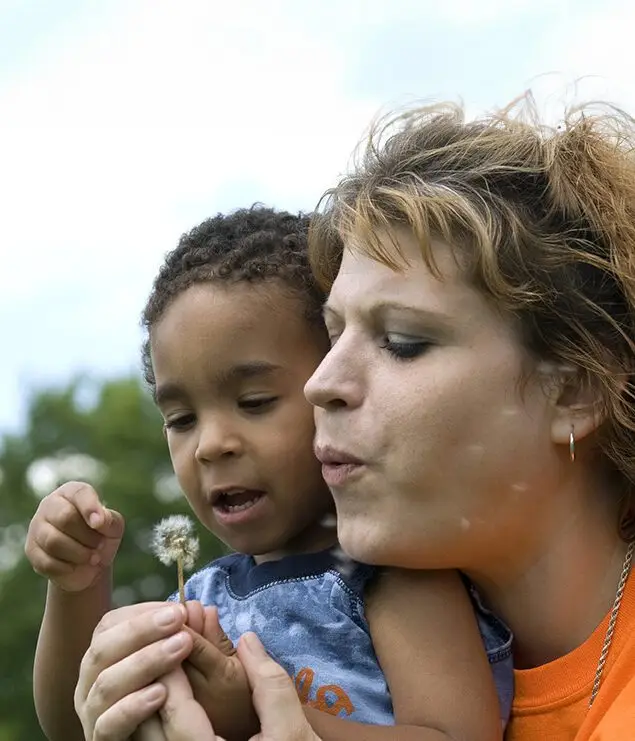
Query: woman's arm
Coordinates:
[428,644]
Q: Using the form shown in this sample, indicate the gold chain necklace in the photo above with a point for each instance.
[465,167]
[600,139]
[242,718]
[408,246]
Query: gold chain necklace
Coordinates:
[608,638]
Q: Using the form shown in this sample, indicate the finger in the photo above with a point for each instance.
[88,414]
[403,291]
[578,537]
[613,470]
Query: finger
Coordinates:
[133,673]
[64,516]
[275,699]
[113,525]
[48,566]
[183,718]
[114,640]
[195,616]
[86,501]
[150,730]
[208,659]
[129,612]
[119,722]
[62,547]
[215,634]
[198,681]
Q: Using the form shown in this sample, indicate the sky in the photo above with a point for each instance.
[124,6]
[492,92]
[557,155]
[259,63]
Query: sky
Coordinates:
[125,123]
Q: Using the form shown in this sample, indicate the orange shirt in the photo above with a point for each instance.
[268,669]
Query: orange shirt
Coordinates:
[551,701]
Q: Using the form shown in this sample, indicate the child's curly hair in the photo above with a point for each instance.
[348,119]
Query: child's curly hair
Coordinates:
[252,244]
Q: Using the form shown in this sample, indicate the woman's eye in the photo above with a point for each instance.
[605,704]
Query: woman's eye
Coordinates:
[257,404]
[334,333]
[180,422]
[403,347]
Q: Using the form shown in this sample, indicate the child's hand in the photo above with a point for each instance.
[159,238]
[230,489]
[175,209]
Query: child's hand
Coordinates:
[72,537]
[218,679]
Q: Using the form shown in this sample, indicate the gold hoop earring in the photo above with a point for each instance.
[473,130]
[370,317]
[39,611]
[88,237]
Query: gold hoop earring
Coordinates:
[572,445]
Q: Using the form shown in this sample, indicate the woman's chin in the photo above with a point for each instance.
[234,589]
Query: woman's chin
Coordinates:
[363,543]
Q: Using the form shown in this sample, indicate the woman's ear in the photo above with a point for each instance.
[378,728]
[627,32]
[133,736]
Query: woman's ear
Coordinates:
[577,405]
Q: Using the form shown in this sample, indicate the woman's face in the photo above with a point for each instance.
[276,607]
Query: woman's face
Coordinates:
[436,446]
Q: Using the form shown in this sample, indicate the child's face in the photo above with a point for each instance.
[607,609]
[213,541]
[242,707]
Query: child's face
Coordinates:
[230,362]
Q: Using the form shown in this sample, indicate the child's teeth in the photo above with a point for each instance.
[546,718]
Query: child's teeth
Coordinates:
[239,507]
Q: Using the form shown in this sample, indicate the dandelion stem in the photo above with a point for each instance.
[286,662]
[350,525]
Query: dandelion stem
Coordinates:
[179,568]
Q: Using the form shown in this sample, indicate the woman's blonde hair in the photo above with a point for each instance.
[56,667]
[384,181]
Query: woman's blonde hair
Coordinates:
[544,221]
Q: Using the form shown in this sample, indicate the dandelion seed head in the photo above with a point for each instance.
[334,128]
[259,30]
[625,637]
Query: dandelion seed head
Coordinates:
[174,538]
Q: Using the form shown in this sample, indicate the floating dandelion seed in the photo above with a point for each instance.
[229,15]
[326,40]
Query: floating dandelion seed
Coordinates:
[173,540]
[329,522]
[344,564]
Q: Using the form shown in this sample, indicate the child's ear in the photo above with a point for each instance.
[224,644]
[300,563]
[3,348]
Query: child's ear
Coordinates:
[165,431]
[577,405]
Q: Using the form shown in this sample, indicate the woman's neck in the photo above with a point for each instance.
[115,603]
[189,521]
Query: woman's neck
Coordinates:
[556,594]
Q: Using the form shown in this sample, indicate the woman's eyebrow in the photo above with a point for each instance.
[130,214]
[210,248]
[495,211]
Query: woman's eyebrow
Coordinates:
[439,318]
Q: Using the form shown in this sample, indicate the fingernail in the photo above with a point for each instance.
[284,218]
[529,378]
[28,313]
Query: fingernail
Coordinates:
[94,520]
[95,559]
[166,616]
[253,645]
[175,644]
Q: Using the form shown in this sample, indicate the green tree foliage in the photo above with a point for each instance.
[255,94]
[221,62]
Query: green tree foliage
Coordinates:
[116,443]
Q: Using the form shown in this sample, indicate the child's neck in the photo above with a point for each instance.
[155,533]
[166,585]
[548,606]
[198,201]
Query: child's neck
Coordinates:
[312,540]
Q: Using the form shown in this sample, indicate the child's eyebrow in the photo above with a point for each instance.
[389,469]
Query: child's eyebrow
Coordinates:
[168,391]
[245,371]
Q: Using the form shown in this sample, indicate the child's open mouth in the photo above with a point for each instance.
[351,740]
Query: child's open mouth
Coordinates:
[238,501]
[237,505]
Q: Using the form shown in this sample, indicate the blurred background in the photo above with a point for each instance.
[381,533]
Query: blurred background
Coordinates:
[123,123]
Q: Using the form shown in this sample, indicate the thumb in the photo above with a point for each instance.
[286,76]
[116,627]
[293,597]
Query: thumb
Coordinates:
[205,656]
[195,615]
[113,525]
[183,718]
[214,633]
[275,699]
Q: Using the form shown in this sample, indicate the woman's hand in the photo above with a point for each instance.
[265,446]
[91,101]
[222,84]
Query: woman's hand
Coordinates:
[181,718]
[132,670]
[131,649]
[275,698]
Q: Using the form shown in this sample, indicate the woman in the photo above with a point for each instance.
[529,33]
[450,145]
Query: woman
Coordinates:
[475,411]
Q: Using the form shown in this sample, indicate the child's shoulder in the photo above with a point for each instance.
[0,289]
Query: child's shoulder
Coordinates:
[330,566]
[240,575]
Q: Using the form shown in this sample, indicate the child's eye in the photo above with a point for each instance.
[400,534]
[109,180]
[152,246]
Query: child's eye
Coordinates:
[403,347]
[256,404]
[180,423]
